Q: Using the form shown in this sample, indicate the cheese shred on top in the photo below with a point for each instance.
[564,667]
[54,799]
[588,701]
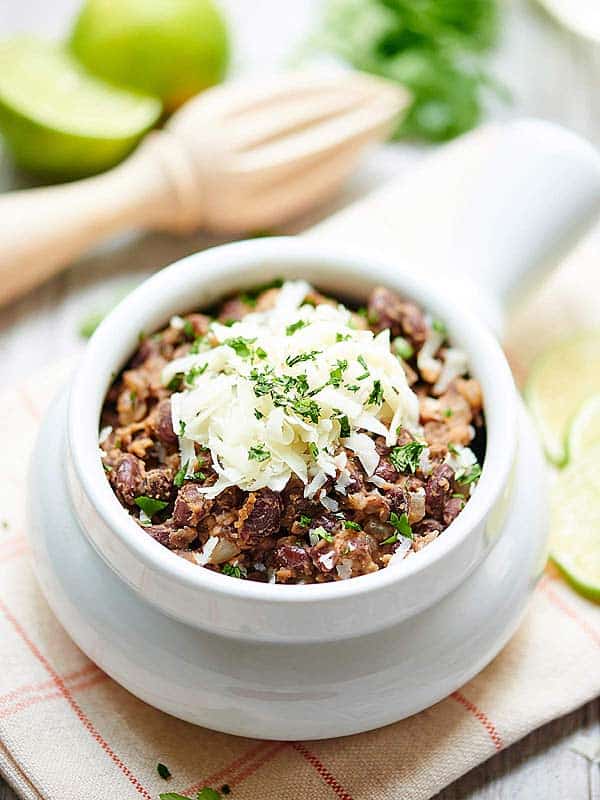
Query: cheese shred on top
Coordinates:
[287,391]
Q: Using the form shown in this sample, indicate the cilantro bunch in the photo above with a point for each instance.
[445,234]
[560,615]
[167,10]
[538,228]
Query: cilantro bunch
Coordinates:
[433,47]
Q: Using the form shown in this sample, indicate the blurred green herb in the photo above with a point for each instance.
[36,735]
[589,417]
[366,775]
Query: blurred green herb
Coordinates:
[433,47]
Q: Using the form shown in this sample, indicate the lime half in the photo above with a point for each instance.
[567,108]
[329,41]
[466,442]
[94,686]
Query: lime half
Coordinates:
[575,526]
[584,434]
[560,381]
[60,122]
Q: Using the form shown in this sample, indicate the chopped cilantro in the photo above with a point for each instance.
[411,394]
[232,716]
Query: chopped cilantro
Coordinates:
[453,449]
[293,360]
[469,474]
[132,397]
[362,312]
[352,387]
[181,428]
[225,789]
[174,385]
[344,426]
[295,326]
[233,570]
[258,452]
[163,771]
[406,457]
[188,329]
[195,372]
[180,476]
[198,341]
[439,327]
[448,412]
[403,348]
[304,520]
[336,374]
[351,525]
[107,468]
[321,533]
[313,450]
[240,345]
[307,408]
[258,414]
[342,337]
[199,475]
[208,794]
[376,396]
[366,373]
[173,796]
[402,526]
[149,505]
[260,353]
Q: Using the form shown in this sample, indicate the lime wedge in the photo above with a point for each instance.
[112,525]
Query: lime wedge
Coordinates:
[575,527]
[59,121]
[584,434]
[560,381]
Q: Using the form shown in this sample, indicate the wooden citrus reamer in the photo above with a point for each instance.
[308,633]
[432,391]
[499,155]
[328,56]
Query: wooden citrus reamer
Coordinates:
[239,158]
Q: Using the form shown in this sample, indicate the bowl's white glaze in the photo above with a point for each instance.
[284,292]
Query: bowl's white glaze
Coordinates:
[296,690]
[243,609]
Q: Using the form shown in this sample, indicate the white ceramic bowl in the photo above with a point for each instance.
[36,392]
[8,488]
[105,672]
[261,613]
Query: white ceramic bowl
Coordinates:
[293,662]
[264,611]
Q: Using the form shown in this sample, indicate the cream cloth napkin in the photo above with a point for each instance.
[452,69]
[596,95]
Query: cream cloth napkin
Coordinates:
[68,732]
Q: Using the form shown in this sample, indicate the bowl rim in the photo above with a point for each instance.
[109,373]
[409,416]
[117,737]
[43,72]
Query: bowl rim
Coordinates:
[190,275]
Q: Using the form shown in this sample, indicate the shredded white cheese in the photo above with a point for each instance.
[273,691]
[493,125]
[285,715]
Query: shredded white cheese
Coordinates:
[283,391]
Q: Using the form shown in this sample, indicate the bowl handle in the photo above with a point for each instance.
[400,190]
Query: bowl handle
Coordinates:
[487,213]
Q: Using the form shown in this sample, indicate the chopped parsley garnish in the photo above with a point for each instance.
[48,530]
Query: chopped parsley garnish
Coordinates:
[342,337]
[107,468]
[208,794]
[260,353]
[295,326]
[344,425]
[336,374]
[149,505]
[403,348]
[439,327]
[293,360]
[352,387]
[376,396]
[240,345]
[307,408]
[258,452]
[225,789]
[198,341]
[174,385]
[163,771]
[313,450]
[233,570]
[258,414]
[447,412]
[180,476]
[181,428]
[469,474]
[363,363]
[132,397]
[195,372]
[407,456]
[174,796]
[321,533]
[453,449]
[351,525]
[402,526]
[304,520]
[188,329]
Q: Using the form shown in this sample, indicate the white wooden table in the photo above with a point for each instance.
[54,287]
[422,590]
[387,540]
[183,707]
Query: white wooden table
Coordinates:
[550,73]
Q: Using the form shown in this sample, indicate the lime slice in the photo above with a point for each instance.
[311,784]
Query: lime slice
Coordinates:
[60,122]
[560,381]
[584,434]
[575,527]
